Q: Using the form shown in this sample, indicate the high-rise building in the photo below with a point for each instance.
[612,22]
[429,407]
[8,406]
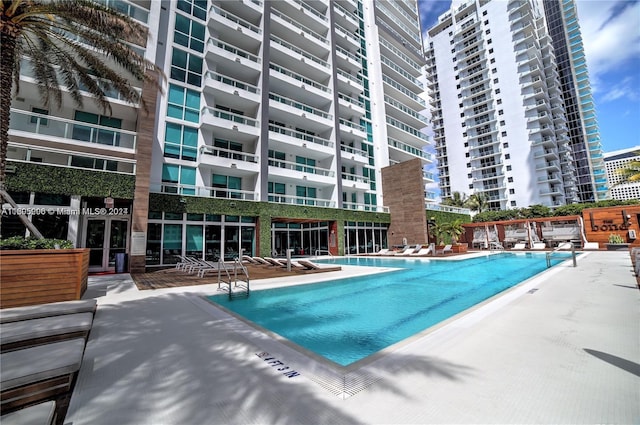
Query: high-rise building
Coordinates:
[564,28]
[275,123]
[615,161]
[497,109]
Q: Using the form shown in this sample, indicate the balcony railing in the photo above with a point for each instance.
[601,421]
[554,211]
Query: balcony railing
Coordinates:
[232,82]
[300,135]
[49,125]
[303,168]
[226,115]
[214,42]
[228,153]
[298,105]
[364,207]
[299,77]
[355,178]
[203,191]
[300,200]
[235,19]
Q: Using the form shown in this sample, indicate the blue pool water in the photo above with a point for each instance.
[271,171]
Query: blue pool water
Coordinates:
[347,320]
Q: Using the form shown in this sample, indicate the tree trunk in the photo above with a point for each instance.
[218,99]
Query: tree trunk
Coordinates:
[8,44]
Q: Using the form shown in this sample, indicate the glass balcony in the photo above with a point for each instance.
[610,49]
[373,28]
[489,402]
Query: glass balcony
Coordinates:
[49,125]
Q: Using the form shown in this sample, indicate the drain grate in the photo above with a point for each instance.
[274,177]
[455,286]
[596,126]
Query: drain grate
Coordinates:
[532,291]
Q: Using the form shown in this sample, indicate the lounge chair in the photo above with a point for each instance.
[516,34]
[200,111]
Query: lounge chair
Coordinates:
[591,245]
[447,248]
[495,245]
[261,261]
[308,265]
[250,260]
[384,251]
[409,251]
[519,245]
[39,373]
[44,330]
[422,252]
[272,261]
[539,245]
[294,264]
[41,414]
[211,266]
[47,310]
[564,246]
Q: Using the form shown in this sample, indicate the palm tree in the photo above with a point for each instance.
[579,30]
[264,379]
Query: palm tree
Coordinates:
[630,172]
[52,34]
[477,202]
[457,199]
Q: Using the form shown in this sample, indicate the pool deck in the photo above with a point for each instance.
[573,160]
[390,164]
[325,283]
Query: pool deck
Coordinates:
[563,347]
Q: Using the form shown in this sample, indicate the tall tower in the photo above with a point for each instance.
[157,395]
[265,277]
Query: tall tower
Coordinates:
[497,110]
[588,159]
[292,102]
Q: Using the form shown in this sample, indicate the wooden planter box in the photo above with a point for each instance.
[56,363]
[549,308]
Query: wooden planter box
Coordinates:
[456,248]
[39,276]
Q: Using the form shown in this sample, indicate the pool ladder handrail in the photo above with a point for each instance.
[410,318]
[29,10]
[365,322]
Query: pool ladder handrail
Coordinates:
[244,277]
[318,251]
[549,254]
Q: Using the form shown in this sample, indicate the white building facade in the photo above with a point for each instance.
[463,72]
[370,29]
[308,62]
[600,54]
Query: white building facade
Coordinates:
[291,107]
[616,160]
[497,108]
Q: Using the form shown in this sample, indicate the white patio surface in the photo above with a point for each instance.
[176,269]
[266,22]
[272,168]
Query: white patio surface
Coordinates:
[563,347]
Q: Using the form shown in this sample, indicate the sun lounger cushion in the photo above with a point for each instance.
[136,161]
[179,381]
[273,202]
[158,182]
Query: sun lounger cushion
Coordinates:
[45,327]
[39,414]
[29,365]
[47,310]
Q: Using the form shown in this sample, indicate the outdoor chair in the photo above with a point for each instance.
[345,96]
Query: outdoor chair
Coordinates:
[424,251]
[447,248]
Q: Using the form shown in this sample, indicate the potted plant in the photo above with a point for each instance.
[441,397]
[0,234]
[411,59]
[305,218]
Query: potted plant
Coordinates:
[37,271]
[449,232]
[617,243]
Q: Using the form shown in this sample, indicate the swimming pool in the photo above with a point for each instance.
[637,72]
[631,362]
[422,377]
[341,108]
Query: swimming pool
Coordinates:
[346,320]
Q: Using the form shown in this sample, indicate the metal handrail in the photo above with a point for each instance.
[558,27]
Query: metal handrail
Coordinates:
[557,249]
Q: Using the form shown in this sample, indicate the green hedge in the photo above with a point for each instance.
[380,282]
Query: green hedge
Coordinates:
[30,177]
[539,211]
[20,242]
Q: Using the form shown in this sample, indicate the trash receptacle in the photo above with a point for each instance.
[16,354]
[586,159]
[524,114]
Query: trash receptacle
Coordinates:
[121,262]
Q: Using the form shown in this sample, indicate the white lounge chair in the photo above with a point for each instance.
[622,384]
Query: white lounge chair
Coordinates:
[539,245]
[410,251]
[519,245]
[424,252]
[564,246]
[447,248]
[591,245]
[384,251]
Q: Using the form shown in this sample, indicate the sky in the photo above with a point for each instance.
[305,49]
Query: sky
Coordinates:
[611,37]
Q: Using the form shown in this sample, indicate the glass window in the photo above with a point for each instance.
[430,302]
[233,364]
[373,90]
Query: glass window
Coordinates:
[39,120]
[181,142]
[184,104]
[197,8]
[194,241]
[189,33]
[186,67]
[154,240]
[172,244]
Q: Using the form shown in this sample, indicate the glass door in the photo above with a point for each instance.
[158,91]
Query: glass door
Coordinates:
[105,237]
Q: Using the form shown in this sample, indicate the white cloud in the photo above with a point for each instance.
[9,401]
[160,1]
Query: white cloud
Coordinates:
[611,38]
[626,88]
